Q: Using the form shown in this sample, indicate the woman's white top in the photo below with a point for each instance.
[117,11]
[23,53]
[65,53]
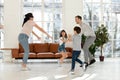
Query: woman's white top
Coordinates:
[28,27]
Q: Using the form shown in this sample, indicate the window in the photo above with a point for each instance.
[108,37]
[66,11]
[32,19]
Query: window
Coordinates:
[107,12]
[48,15]
[1,24]
[1,11]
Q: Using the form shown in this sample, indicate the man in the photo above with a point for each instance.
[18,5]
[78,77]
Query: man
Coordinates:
[89,33]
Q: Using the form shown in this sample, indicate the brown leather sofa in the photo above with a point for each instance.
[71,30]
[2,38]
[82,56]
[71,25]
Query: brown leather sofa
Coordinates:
[41,51]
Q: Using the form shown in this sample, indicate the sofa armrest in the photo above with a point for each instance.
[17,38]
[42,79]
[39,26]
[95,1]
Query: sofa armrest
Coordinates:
[15,53]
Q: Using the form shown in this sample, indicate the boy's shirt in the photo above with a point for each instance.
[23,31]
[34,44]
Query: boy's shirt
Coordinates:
[76,42]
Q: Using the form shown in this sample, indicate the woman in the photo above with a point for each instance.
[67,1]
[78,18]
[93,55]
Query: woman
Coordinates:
[27,29]
[61,48]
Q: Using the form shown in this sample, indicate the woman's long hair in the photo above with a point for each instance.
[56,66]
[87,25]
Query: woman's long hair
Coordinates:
[64,32]
[27,17]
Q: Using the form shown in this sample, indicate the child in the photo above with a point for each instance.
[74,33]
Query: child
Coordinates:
[61,48]
[76,47]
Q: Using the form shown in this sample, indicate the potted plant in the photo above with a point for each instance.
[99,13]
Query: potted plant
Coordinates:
[101,39]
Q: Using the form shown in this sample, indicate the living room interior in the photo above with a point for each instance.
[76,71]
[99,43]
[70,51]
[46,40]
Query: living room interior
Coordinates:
[54,16]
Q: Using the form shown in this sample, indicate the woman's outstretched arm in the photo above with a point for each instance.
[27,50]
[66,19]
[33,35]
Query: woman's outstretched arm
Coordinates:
[42,30]
[36,35]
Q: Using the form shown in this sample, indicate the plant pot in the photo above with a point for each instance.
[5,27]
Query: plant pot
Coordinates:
[82,44]
[101,58]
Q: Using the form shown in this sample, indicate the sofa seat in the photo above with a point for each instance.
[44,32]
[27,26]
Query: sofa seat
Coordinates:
[31,55]
[45,55]
[40,51]
[58,55]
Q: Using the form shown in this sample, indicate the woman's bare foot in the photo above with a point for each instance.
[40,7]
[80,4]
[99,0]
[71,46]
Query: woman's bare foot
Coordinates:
[24,65]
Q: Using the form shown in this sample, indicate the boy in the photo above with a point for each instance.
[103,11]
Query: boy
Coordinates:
[76,48]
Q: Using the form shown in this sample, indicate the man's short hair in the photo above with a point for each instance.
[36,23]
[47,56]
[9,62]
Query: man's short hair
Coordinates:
[79,17]
[77,29]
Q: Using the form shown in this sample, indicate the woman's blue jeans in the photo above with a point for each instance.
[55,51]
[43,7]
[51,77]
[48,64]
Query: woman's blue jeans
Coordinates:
[23,40]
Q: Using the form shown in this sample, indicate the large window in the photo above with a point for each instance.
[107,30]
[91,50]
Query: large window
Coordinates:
[1,11]
[107,12]
[1,25]
[48,15]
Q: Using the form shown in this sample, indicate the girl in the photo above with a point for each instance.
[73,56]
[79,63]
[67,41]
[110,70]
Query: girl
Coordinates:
[27,27]
[61,48]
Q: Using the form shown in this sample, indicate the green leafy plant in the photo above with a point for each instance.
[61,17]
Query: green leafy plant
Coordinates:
[102,37]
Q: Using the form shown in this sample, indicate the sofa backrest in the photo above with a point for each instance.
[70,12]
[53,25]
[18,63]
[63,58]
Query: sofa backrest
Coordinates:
[41,47]
[21,50]
[68,49]
[53,47]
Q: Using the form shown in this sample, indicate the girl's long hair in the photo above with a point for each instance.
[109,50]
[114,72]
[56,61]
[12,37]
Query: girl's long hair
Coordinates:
[64,32]
[27,17]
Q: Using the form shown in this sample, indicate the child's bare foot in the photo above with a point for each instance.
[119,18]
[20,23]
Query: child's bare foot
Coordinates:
[66,56]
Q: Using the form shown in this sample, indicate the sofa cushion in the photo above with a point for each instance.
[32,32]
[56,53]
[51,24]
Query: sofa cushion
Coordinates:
[41,47]
[59,55]
[45,55]
[21,50]
[54,47]
[31,55]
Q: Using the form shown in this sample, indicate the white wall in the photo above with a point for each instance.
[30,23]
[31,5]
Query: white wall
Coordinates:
[71,8]
[12,22]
